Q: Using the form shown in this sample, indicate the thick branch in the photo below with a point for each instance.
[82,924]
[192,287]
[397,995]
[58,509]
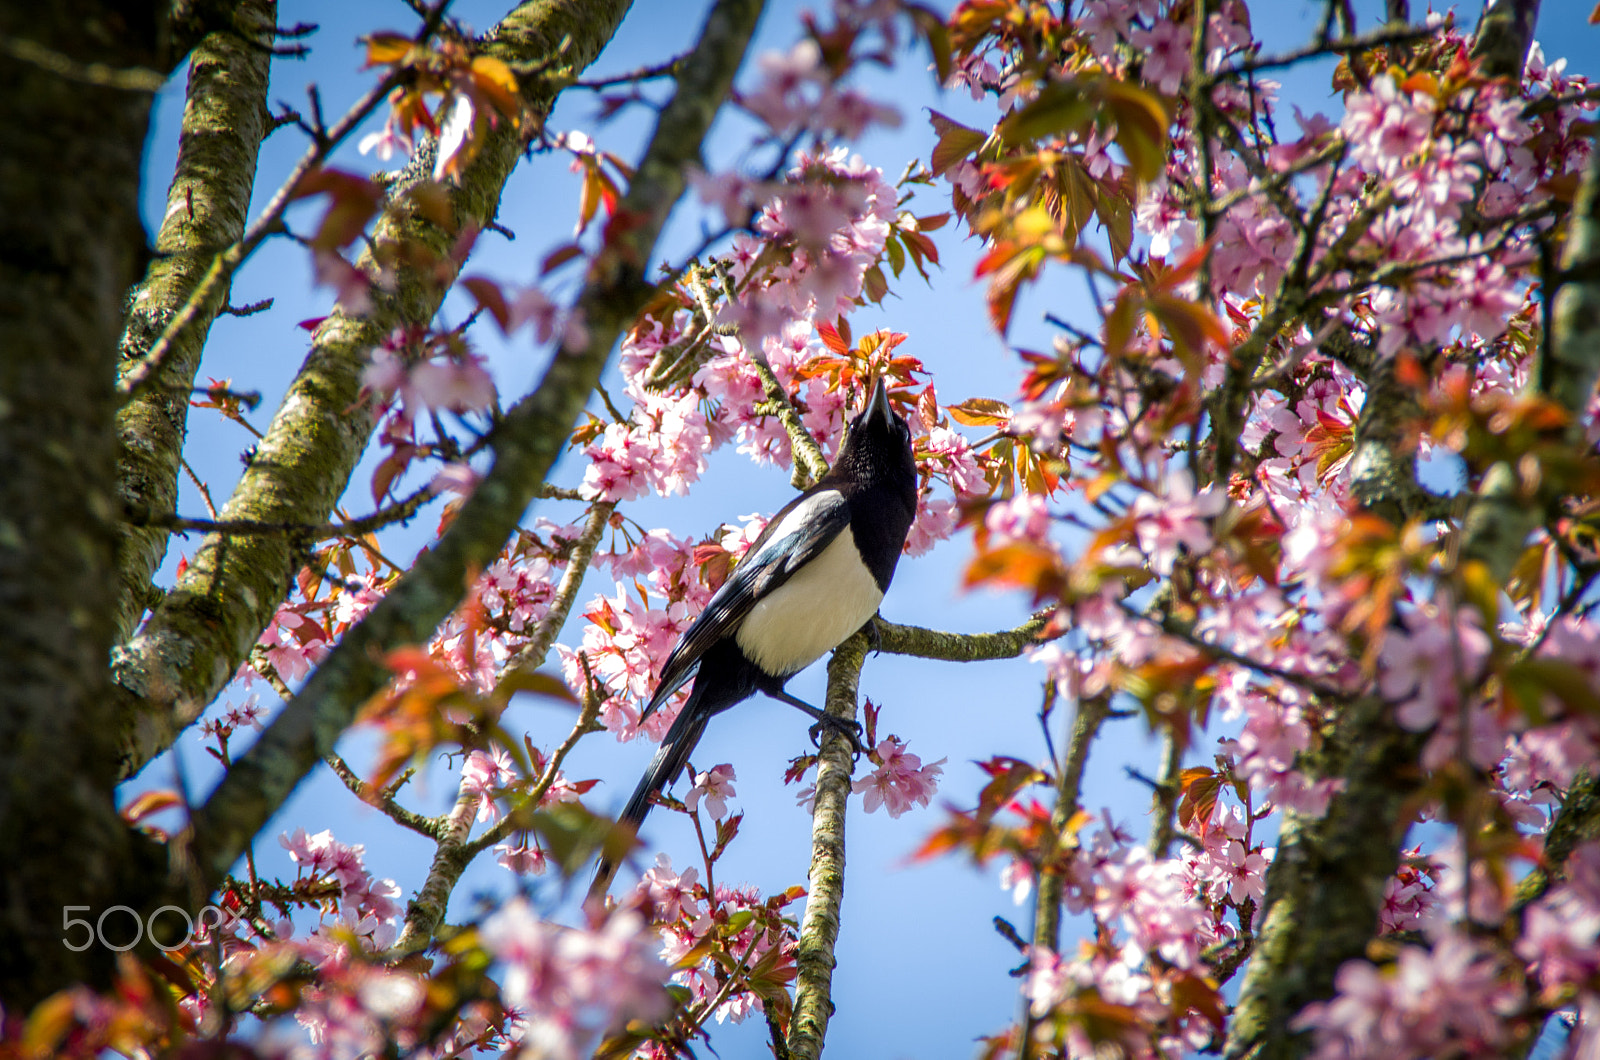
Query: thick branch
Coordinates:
[959,647]
[224,121]
[531,436]
[1092,713]
[1504,35]
[819,931]
[808,458]
[194,642]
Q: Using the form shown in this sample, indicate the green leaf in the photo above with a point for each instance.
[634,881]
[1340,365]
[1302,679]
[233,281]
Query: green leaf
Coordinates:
[897,255]
[1059,108]
[956,142]
[1141,126]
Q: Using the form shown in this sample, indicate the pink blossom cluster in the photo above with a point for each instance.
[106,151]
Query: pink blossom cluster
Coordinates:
[566,986]
[1301,463]
[1265,753]
[836,212]
[506,605]
[1427,669]
[1153,924]
[234,718]
[1559,933]
[687,917]
[1427,194]
[1149,899]
[661,449]
[356,1010]
[625,644]
[1175,517]
[1227,866]
[1409,896]
[715,786]
[900,780]
[368,905]
[798,91]
[293,644]
[488,778]
[1454,998]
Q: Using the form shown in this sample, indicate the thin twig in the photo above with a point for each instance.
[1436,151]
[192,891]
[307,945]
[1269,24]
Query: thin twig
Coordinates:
[399,512]
[1362,42]
[644,73]
[588,721]
[205,493]
[379,799]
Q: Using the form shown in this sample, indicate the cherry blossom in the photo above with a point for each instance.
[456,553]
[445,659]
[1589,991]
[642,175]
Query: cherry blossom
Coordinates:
[571,984]
[1453,998]
[900,780]
[715,786]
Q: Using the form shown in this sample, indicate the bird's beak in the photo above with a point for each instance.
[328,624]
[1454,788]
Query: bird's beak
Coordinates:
[878,410]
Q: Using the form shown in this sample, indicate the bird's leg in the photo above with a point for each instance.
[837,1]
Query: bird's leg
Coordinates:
[850,730]
[874,635]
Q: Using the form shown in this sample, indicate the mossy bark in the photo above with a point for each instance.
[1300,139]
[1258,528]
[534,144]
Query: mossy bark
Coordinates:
[526,443]
[195,640]
[70,245]
[819,930]
[224,120]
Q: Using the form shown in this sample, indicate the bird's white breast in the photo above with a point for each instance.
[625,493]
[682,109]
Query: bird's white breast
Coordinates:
[823,603]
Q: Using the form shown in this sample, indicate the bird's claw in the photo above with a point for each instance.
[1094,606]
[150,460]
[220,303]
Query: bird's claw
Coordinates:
[874,636]
[850,730]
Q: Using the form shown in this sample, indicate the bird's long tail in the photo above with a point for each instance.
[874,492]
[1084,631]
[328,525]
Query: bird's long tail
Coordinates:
[676,747]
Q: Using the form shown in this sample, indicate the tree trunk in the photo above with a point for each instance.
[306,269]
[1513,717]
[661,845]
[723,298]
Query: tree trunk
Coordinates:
[70,245]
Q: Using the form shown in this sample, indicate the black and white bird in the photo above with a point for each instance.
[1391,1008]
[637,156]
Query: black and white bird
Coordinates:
[814,576]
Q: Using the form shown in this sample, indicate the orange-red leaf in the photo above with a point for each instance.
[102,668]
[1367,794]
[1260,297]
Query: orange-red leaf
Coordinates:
[981,412]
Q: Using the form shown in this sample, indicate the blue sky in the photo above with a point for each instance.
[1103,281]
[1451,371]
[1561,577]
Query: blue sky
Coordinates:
[921,971]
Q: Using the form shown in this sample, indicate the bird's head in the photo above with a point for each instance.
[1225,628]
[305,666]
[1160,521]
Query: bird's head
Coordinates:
[877,447]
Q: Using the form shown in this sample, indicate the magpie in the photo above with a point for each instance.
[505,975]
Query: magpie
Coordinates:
[814,576]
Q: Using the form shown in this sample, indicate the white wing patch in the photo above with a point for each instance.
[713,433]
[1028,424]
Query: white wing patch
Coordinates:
[803,513]
[817,608]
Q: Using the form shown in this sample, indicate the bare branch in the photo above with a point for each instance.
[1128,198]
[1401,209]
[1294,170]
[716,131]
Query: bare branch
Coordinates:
[960,647]
[669,68]
[1361,42]
[380,799]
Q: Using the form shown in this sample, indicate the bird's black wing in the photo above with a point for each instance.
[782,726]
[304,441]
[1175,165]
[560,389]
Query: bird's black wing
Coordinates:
[801,530]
